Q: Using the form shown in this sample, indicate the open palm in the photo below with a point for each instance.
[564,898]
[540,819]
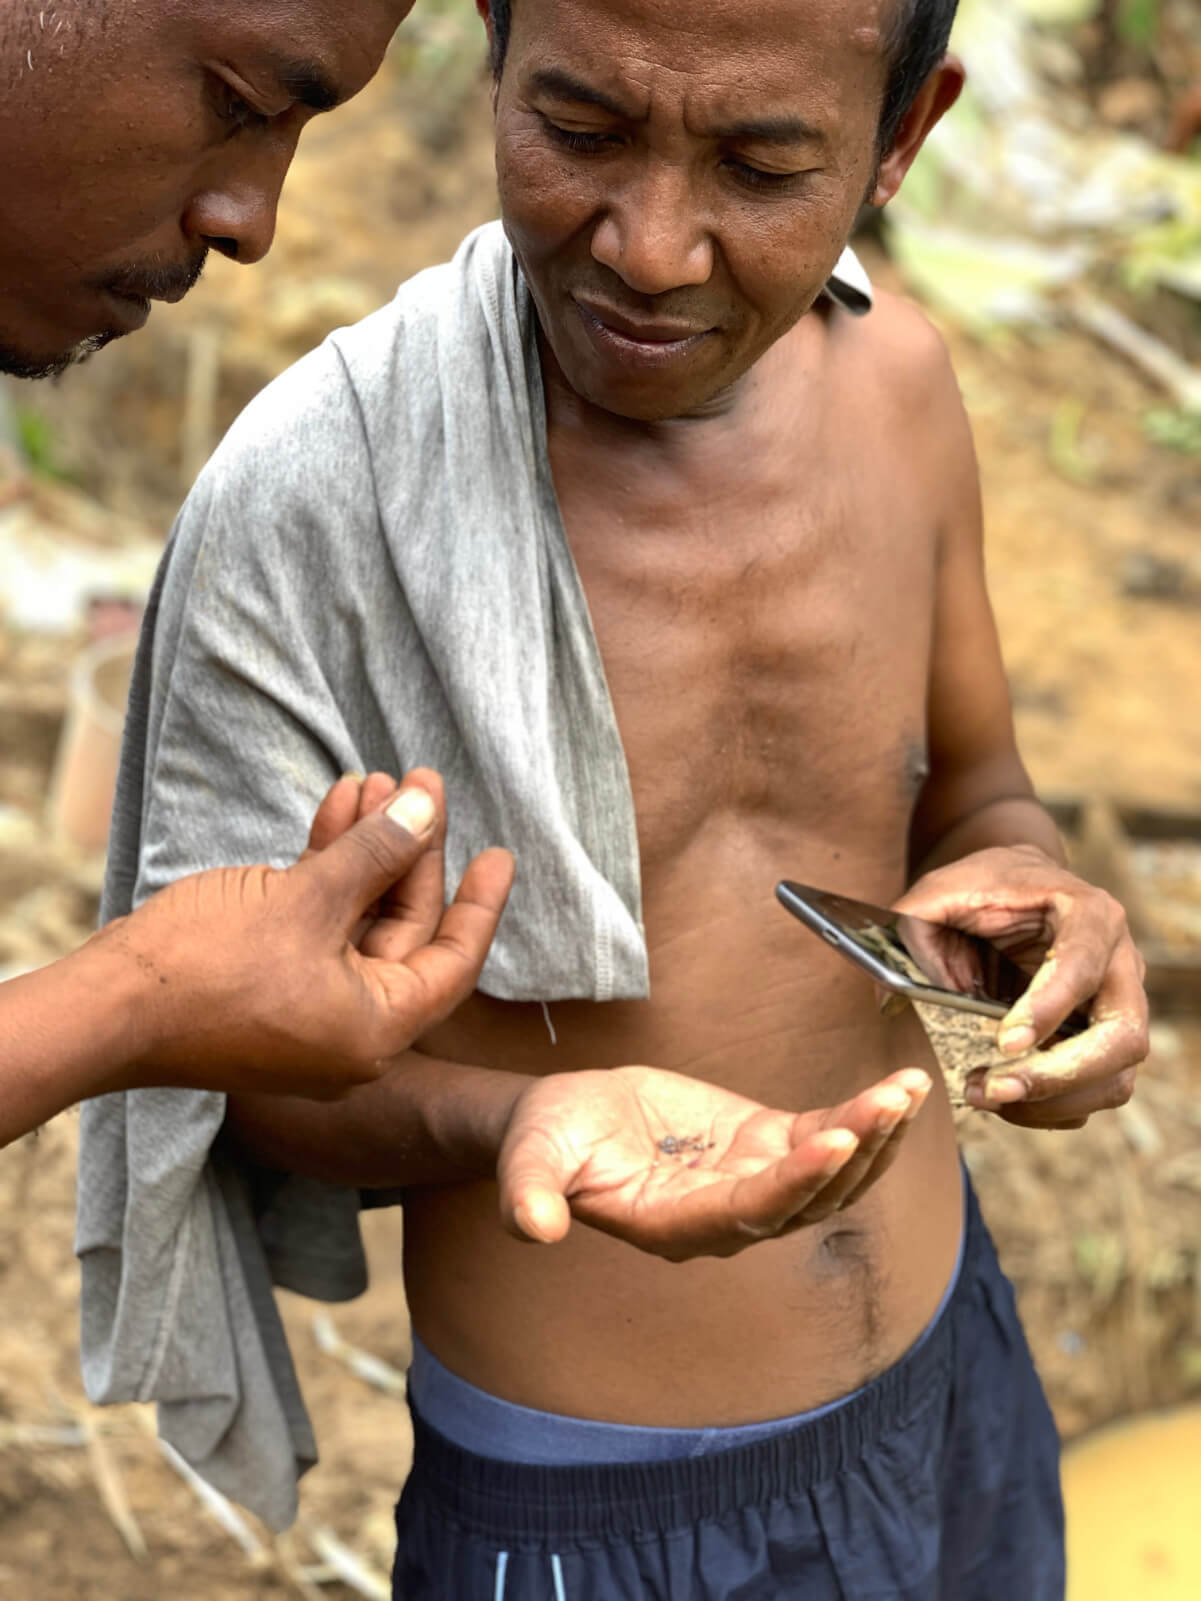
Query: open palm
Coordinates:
[681,1168]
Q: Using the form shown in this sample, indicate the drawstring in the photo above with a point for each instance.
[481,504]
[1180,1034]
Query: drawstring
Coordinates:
[502,1563]
[550,1027]
[556,1569]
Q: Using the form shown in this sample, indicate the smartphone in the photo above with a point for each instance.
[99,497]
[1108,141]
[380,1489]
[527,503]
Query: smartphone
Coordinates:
[913,957]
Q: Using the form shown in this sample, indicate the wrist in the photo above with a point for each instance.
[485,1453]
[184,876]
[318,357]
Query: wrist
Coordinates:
[93,1018]
[1015,822]
[127,1002]
[426,1121]
[469,1114]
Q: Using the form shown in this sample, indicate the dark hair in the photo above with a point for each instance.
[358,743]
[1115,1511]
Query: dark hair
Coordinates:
[915,42]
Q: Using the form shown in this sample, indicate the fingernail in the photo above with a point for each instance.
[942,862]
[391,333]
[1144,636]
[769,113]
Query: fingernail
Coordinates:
[358,777]
[890,1112]
[1003,1091]
[917,1086]
[916,1102]
[841,1145]
[414,809]
[1015,1040]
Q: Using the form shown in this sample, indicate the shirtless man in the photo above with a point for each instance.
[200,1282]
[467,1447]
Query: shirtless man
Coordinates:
[725,540]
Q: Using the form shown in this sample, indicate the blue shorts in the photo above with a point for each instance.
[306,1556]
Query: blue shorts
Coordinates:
[938,1481]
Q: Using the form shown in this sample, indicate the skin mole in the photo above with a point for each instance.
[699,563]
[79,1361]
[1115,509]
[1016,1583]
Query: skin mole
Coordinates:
[917,765]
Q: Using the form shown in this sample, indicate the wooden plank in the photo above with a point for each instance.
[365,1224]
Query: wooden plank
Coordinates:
[1173,980]
[1140,822]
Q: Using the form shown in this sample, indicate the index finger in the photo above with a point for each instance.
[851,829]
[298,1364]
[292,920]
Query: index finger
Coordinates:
[448,968]
[1116,1041]
[337,812]
[1087,959]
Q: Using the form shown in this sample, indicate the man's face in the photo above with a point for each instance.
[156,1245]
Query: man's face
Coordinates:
[678,177]
[138,134]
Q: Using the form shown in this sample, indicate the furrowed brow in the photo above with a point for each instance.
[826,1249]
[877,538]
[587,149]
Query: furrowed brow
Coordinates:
[562,86]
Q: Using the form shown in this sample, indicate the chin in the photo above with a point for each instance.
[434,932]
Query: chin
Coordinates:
[650,404]
[27,364]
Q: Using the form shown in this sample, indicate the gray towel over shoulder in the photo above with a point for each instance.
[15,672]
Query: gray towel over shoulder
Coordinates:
[371,573]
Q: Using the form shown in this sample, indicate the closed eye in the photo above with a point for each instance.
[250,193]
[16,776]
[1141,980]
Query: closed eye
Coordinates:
[759,178]
[233,109]
[576,139]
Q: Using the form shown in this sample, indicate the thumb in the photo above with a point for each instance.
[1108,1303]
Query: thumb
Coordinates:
[532,1203]
[371,857]
[541,1215]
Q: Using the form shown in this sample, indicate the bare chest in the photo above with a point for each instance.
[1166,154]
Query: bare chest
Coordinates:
[767,649]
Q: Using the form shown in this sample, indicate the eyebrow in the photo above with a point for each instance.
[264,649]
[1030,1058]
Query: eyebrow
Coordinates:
[774,131]
[554,81]
[308,84]
[764,130]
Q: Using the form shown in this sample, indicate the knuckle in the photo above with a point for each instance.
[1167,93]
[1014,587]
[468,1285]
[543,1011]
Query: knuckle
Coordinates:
[1113,909]
[1121,1088]
[373,844]
[1135,1040]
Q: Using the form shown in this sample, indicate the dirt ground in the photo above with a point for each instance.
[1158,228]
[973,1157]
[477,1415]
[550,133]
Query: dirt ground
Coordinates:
[1096,576]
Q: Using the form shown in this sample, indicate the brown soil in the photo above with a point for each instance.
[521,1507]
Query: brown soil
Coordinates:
[1099,1229]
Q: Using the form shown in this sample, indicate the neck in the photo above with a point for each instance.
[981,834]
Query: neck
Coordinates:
[567,408]
[751,408]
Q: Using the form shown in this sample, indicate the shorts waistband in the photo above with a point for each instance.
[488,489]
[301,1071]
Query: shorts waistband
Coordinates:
[487,1425]
[506,1500]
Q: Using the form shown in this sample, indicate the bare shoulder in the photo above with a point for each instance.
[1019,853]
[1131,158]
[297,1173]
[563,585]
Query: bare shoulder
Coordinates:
[891,371]
[907,356]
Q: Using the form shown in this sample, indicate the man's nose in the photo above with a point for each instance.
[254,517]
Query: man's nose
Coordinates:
[234,211]
[653,233]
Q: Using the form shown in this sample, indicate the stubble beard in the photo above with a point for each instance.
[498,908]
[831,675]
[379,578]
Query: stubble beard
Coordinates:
[15,364]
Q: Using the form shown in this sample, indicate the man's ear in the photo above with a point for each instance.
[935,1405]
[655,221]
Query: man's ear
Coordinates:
[484,7]
[934,99]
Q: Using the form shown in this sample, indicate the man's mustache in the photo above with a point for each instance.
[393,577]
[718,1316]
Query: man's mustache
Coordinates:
[673,305]
[156,280]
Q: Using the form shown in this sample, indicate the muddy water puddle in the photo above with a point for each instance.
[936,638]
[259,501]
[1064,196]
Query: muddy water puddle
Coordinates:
[1133,1495]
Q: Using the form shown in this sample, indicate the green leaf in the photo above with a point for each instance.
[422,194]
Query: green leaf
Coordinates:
[1138,22]
[1174,430]
[36,439]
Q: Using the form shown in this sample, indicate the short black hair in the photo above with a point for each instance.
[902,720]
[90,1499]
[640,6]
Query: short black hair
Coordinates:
[915,42]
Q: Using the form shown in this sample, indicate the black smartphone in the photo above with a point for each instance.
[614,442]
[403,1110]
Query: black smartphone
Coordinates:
[921,960]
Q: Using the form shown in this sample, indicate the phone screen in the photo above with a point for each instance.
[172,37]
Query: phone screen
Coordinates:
[915,953]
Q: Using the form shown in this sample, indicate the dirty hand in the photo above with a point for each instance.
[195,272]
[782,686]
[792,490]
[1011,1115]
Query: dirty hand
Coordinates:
[306,981]
[682,1169]
[1073,938]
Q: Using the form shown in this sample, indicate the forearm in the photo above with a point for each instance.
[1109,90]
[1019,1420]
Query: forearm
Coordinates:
[1009,820]
[68,1031]
[426,1122]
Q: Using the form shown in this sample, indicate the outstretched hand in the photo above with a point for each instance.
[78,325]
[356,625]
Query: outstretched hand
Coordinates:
[308,980]
[681,1168]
